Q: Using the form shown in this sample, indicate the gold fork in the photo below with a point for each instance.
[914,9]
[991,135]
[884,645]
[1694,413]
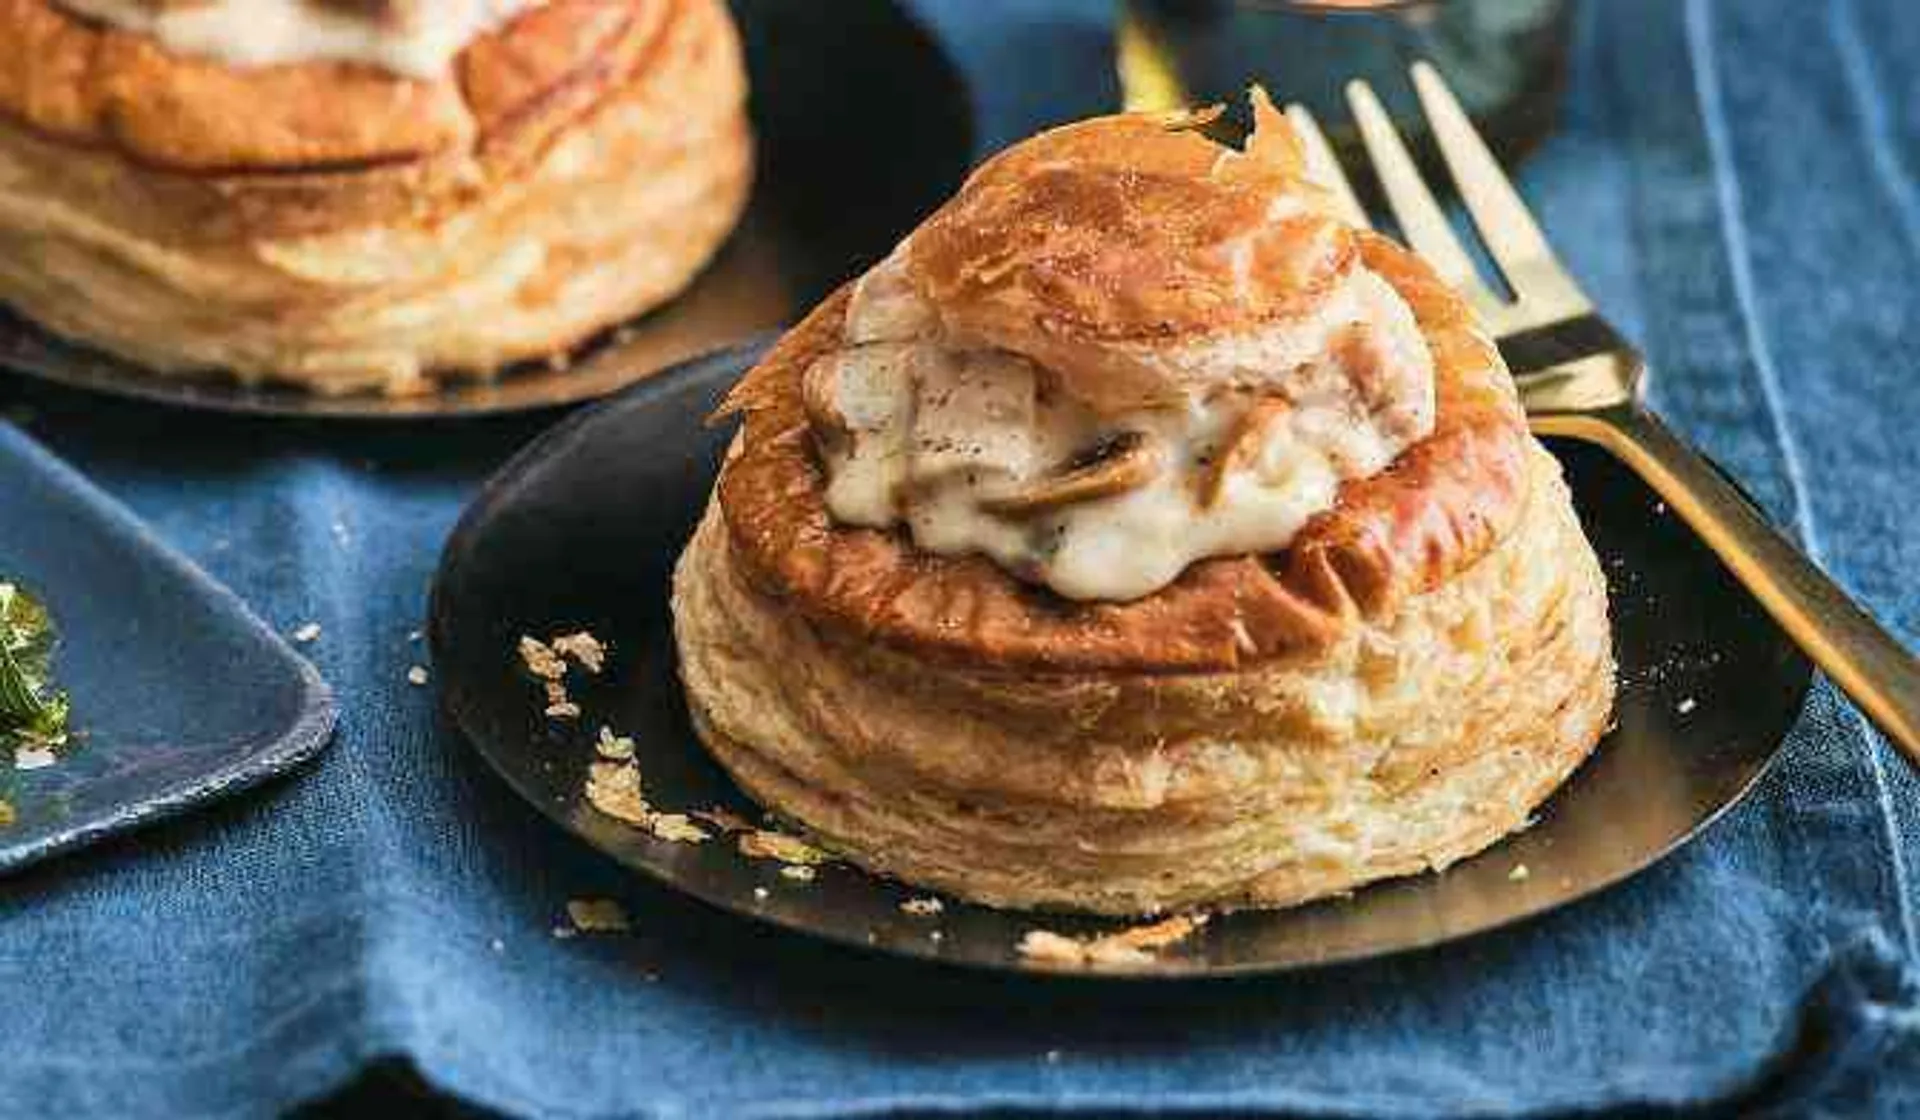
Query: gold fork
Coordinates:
[1580,378]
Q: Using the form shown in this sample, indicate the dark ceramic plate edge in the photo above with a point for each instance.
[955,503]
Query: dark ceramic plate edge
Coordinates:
[303,739]
[511,473]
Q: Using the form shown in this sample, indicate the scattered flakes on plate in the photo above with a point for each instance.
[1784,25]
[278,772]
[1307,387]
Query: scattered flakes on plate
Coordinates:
[540,659]
[726,820]
[614,789]
[307,634]
[1519,874]
[417,676]
[547,661]
[33,758]
[1048,947]
[798,872]
[583,649]
[764,843]
[922,907]
[597,915]
[619,748]
[677,828]
[1686,706]
[1134,946]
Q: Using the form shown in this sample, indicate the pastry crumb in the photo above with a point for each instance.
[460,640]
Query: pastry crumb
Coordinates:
[308,633]
[614,789]
[1134,946]
[922,907]
[414,635]
[597,915]
[559,704]
[764,843]
[1519,874]
[540,659]
[761,893]
[33,758]
[677,828]
[547,661]
[798,872]
[1686,706]
[583,649]
[417,675]
[1052,948]
[619,748]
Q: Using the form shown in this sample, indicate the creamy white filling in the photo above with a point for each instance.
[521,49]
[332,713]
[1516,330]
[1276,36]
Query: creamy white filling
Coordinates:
[969,448]
[416,39]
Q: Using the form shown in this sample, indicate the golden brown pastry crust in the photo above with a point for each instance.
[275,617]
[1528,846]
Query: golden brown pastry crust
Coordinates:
[1440,507]
[344,227]
[508,93]
[1130,229]
[1408,742]
[1400,687]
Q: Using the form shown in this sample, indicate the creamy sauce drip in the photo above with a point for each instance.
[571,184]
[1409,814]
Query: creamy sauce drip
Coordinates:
[415,38]
[944,441]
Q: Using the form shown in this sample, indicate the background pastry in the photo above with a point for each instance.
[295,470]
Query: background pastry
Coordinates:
[1139,536]
[350,195]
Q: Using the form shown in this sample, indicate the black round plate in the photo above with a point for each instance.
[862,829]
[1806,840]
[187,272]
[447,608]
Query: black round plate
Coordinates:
[582,529]
[862,126]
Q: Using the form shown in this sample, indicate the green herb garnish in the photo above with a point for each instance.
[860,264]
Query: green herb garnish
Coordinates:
[32,713]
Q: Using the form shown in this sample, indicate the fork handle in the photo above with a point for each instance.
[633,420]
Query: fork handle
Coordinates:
[1857,653]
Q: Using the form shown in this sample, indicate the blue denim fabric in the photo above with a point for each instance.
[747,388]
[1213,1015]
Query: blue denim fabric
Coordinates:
[1736,183]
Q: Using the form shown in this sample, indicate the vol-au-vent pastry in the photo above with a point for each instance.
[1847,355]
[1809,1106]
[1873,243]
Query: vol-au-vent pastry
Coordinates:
[1141,536]
[355,195]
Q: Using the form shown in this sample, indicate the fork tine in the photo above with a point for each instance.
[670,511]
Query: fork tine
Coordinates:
[1505,223]
[1414,207]
[1323,167]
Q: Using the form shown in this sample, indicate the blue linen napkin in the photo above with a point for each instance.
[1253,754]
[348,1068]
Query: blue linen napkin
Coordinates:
[1735,182]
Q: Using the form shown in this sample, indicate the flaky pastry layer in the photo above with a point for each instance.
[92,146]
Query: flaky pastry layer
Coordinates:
[1410,741]
[344,228]
[1398,687]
